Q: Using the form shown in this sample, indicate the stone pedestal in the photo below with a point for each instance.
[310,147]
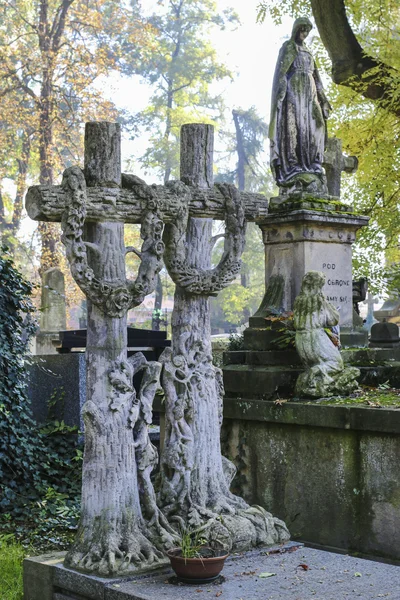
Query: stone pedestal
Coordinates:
[300,234]
[298,238]
[302,240]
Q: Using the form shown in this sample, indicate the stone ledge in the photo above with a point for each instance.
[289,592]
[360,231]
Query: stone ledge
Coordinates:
[45,578]
[358,418]
[348,219]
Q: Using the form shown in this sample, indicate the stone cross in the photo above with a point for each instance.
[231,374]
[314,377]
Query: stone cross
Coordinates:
[122,529]
[335,162]
[370,302]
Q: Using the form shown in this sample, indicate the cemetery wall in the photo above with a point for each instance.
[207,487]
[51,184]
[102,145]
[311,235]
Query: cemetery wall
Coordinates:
[330,472]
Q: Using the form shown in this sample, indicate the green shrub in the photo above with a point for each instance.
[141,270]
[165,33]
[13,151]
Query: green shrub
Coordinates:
[17,445]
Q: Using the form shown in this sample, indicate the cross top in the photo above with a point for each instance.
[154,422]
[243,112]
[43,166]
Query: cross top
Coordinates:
[101,194]
[335,162]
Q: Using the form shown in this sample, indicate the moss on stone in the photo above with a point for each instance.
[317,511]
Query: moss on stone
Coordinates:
[374,397]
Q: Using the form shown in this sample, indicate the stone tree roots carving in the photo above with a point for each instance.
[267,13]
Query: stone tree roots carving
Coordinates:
[121,530]
[195,477]
[325,373]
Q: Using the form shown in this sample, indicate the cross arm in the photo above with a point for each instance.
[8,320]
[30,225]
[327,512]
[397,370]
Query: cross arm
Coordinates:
[124,205]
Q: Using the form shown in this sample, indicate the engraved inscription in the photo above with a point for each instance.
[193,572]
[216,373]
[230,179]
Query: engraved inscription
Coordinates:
[336,299]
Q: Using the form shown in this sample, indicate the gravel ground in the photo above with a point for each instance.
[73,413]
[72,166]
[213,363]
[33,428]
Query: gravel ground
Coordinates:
[298,574]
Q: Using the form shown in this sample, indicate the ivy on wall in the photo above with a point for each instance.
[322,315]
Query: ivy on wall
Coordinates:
[40,471]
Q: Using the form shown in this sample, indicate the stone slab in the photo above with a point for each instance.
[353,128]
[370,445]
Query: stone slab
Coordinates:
[347,417]
[263,382]
[299,574]
[61,380]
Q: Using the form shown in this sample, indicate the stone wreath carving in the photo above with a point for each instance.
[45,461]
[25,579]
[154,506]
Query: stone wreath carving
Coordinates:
[113,298]
[209,281]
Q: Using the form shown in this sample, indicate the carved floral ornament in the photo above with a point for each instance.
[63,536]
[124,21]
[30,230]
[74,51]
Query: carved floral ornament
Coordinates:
[209,281]
[116,299]
[113,299]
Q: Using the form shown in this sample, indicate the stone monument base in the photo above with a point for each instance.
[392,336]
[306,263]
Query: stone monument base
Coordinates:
[272,374]
[46,578]
[353,338]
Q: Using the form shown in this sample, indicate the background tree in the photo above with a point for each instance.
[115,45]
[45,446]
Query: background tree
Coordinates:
[238,301]
[50,55]
[181,64]
[359,46]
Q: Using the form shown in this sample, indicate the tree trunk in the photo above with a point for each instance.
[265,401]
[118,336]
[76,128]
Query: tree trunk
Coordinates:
[168,125]
[112,536]
[195,477]
[240,152]
[10,230]
[351,65]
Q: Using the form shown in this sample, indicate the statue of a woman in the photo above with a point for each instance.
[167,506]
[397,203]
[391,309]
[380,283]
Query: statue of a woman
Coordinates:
[314,316]
[299,109]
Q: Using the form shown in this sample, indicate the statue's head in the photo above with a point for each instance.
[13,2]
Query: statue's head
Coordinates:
[301,28]
[312,283]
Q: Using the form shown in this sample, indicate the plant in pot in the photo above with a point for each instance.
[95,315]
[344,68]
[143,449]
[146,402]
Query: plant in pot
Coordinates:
[194,561]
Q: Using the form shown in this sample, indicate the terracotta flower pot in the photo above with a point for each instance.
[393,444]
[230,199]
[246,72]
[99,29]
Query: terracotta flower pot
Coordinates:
[196,570]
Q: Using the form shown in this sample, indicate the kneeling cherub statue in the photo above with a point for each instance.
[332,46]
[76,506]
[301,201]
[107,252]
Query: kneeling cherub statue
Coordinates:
[325,374]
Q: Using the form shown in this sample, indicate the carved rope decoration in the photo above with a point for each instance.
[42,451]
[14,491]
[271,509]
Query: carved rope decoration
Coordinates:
[209,281]
[113,298]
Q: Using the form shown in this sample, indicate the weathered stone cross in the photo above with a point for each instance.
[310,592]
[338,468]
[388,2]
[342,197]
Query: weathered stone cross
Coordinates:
[122,528]
[335,162]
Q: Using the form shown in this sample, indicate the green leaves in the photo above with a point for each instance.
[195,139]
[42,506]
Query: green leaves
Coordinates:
[180,66]
[39,470]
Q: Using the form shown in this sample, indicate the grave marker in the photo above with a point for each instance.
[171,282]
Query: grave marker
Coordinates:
[121,529]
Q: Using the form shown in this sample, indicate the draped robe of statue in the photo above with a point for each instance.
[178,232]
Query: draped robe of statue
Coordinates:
[297,123]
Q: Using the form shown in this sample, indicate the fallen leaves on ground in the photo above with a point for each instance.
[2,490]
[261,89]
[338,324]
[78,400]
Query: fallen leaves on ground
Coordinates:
[265,575]
[303,566]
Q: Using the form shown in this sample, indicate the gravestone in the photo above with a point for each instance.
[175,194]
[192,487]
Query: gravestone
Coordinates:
[307,228]
[53,316]
[384,335]
[119,510]
[311,233]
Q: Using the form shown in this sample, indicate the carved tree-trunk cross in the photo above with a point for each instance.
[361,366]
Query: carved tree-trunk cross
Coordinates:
[122,528]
